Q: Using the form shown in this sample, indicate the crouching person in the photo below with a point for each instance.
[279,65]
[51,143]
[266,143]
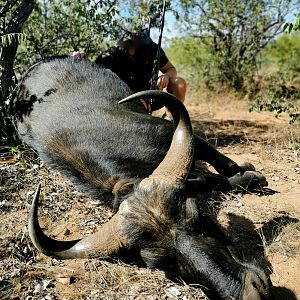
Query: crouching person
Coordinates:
[133,60]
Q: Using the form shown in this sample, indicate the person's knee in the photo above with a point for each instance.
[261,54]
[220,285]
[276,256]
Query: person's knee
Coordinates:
[181,83]
[177,86]
[178,82]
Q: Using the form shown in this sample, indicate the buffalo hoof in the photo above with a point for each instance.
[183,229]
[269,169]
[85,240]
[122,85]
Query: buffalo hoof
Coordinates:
[232,168]
[247,180]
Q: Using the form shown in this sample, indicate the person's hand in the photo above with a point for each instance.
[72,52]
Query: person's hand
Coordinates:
[163,81]
[79,54]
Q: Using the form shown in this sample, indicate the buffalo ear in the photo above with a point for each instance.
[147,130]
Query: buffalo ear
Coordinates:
[120,190]
[157,257]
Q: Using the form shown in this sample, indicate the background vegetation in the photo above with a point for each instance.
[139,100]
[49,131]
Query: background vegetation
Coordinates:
[231,45]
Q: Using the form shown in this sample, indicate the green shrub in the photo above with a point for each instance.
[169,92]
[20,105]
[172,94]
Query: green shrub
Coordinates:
[194,62]
[278,98]
[283,56]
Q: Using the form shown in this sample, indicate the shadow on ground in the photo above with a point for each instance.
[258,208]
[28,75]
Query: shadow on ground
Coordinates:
[222,133]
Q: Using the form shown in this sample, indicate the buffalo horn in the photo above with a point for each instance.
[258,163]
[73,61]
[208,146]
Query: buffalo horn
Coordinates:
[176,165]
[107,241]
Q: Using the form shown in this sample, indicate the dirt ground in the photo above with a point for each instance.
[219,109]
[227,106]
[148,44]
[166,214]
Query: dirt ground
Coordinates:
[265,224]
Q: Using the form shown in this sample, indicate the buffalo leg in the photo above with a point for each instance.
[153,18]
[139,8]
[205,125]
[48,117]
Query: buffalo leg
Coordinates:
[222,164]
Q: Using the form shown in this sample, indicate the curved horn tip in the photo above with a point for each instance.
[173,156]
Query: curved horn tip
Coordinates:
[123,100]
[147,94]
[106,242]
[128,98]
[36,195]
[38,189]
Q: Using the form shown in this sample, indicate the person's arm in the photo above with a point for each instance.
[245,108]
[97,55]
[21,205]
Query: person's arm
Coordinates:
[169,71]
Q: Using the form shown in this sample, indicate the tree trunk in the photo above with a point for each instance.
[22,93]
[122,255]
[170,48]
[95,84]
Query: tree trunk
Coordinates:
[8,54]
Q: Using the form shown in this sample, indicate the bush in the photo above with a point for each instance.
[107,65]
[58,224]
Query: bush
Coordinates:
[283,56]
[278,98]
[194,62]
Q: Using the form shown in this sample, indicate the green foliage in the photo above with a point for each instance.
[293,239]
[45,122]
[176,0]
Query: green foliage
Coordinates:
[194,62]
[279,99]
[138,12]
[60,27]
[273,105]
[7,39]
[235,31]
[283,56]
[281,61]
[289,27]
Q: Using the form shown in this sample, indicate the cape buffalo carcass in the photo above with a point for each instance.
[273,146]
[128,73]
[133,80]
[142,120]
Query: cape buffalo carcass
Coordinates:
[139,165]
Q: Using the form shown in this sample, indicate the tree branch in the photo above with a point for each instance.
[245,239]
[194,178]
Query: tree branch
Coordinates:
[15,25]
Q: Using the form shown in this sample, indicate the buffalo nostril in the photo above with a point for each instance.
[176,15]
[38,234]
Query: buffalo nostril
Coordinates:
[255,287]
[259,284]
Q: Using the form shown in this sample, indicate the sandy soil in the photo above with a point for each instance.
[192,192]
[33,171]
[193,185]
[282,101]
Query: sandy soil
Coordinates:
[265,224]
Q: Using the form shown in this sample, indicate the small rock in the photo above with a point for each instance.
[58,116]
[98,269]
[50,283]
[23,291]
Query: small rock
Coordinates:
[239,204]
[35,167]
[275,178]
[94,292]
[173,292]
[67,232]
[96,203]
[47,283]
[38,288]
[109,214]
[64,279]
